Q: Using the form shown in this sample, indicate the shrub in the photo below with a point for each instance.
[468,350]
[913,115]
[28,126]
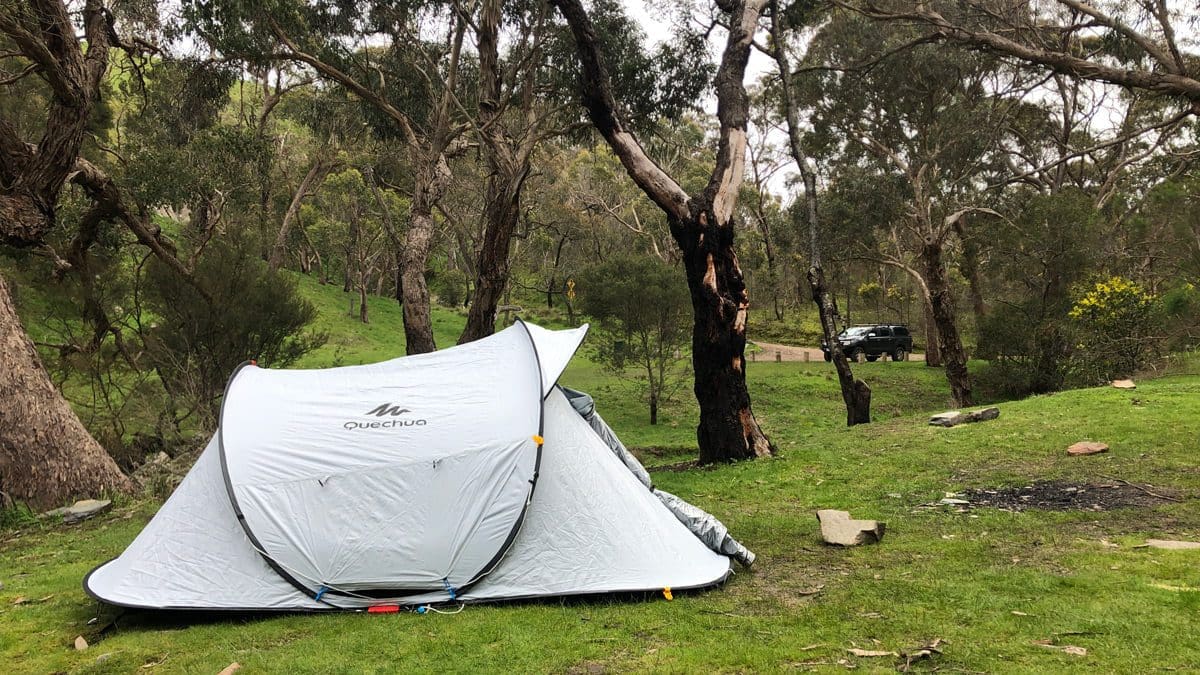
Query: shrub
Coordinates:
[449,287]
[1119,328]
[195,346]
[1028,355]
[644,311]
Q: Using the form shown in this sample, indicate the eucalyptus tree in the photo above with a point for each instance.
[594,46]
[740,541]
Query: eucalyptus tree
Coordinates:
[856,394]
[524,101]
[1137,44]
[702,224]
[46,454]
[402,61]
[883,101]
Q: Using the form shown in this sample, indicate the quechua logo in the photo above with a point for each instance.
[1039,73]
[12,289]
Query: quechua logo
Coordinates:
[386,409]
[389,412]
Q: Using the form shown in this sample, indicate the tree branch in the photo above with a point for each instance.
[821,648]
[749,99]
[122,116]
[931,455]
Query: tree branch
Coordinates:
[602,109]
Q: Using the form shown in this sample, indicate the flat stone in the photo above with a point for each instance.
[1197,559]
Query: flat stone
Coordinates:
[1124,384]
[955,417]
[80,510]
[839,529]
[1087,448]
[1173,545]
[947,419]
[985,414]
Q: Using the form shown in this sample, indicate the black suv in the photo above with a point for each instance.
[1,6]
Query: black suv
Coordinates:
[873,341]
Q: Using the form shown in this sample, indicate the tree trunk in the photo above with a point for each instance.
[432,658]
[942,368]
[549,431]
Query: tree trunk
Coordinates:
[941,302]
[47,456]
[933,349]
[728,430]
[702,225]
[433,180]
[508,166]
[503,210]
[312,179]
[653,409]
[772,271]
[855,393]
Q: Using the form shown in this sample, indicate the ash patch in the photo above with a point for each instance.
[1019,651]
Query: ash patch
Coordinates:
[1063,496]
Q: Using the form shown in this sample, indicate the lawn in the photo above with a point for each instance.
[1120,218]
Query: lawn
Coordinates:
[990,584]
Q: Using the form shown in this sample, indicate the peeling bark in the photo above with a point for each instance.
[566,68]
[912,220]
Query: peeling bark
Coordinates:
[703,226]
[432,182]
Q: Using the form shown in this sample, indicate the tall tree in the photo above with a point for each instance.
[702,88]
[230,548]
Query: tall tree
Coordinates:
[884,102]
[855,393]
[703,226]
[392,79]
[46,455]
[507,152]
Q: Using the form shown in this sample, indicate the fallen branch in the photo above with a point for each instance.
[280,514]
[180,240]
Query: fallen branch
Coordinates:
[1139,487]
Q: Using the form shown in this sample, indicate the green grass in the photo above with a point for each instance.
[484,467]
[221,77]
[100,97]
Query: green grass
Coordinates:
[937,574]
[351,342]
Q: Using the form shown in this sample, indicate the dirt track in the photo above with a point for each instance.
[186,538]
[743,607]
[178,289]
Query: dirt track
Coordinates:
[793,353]
[786,352]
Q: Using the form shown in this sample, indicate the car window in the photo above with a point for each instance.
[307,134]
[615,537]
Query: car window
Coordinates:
[857,331]
[901,331]
[883,332]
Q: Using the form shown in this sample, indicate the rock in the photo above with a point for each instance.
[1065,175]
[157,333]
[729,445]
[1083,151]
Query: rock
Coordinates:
[839,529]
[1087,448]
[1173,545]
[231,669]
[950,501]
[985,414]
[1124,384]
[947,419]
[955,417]
[103,657]
[80,510]
[80,643]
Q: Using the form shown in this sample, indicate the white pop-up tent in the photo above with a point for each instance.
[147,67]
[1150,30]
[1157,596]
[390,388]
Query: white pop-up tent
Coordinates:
[462,475]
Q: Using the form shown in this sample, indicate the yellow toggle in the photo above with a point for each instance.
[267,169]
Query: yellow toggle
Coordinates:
[667,593]
[538,439]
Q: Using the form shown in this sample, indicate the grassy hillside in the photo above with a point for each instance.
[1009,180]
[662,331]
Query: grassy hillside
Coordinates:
[992,584]
[352,342]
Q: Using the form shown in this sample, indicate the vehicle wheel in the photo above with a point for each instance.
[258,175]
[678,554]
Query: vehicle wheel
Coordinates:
[900,354]
[872,357]
[856,355]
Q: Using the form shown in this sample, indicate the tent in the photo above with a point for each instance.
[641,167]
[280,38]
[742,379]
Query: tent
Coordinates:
[463,475]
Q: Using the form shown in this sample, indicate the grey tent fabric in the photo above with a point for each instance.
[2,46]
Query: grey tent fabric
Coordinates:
[301,504]
[586,407]
[705,526]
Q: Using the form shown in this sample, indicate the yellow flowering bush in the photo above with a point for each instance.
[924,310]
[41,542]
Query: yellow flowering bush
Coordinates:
[1118,325]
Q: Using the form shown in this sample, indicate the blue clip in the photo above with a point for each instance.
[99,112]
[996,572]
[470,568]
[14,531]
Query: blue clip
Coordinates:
[450,589]
[422,610]
[320,592]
